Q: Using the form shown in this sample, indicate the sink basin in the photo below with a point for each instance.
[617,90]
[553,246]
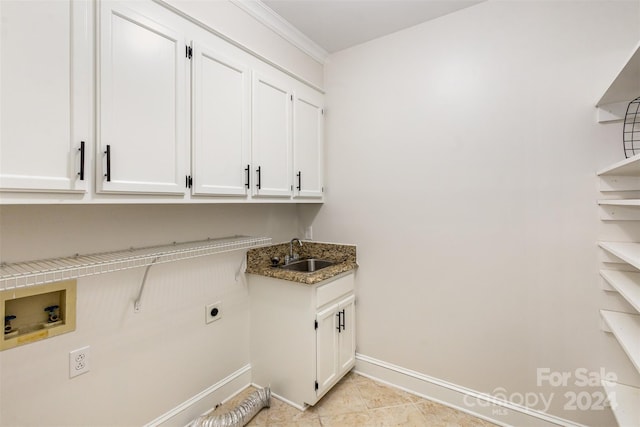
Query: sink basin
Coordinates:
[307,265]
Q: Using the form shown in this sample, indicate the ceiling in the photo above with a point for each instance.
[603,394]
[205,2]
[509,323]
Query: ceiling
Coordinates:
[338,24]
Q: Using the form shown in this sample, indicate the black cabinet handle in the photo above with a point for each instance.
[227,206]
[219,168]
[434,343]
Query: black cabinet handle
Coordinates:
[81,150]
[108,153]
[339,322]
[259,178]
[248,177]
[299,180]
[343,322]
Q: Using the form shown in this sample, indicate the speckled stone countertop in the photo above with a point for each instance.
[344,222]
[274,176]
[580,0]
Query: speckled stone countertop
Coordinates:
[259,261]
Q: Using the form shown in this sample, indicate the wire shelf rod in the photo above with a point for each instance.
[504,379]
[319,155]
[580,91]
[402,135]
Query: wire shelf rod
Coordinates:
[38,272]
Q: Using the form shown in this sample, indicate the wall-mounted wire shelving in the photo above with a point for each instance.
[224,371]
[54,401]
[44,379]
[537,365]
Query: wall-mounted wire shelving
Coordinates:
[32,273]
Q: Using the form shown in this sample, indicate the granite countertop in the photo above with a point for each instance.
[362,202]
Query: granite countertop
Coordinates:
[344,256]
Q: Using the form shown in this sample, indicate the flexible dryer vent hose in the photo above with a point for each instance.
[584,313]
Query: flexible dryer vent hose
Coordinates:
[240,415]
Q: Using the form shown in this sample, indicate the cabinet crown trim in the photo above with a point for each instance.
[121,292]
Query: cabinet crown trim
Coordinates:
[265,15]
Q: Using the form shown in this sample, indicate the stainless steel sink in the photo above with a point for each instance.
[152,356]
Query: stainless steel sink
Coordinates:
[307,265]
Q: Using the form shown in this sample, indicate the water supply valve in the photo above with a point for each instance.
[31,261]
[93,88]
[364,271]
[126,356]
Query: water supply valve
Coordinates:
[54,315]
[7,323]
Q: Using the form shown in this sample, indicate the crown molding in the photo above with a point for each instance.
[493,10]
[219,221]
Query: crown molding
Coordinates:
[266,16]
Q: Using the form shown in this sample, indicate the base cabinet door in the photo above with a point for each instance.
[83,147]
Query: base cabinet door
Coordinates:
[327,348]
[335,342]
[45,89]
[347,333]
[141,93]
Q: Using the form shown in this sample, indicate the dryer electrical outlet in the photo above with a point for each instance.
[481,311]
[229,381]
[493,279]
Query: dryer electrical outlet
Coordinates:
[213,312]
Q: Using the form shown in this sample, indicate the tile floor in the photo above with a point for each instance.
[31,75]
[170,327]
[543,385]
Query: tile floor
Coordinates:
[360,401]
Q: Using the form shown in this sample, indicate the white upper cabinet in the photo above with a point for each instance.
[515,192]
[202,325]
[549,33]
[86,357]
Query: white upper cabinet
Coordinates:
[122,101]
[308,125]
[141,93]
[271,137]
[221,97]
[45,90]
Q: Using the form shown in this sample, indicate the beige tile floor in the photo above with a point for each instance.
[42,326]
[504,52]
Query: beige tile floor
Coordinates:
[360,401]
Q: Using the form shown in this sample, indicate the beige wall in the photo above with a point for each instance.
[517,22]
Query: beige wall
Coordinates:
[460,159]
[144,364]
[462,156]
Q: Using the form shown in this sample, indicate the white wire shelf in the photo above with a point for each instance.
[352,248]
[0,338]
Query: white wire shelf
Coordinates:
[32,273]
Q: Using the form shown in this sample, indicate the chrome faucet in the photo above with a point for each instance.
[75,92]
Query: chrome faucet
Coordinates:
[292,257]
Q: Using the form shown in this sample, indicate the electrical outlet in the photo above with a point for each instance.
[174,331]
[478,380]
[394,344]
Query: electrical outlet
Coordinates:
[78,361]
[308,233]
[213,312]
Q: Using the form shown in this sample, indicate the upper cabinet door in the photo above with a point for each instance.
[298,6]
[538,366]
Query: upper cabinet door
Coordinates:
[308,125]
[141,93]
[45,90]
[221,96]
[271,137]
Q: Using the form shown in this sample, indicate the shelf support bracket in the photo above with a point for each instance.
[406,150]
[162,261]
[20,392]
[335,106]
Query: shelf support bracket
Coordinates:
[241,269]
[613,112]
[137,303]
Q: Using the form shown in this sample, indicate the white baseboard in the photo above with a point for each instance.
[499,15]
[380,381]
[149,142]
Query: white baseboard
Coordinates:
[483,406]
[201,403]
[282,399]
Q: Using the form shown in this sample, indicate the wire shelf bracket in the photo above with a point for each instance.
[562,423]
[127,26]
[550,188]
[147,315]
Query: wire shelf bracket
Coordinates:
[33,273]
[138,302]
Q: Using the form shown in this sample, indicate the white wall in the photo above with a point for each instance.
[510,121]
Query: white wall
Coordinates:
[145,364]
[461,159]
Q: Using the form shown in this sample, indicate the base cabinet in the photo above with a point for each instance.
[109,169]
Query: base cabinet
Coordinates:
[302,336]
